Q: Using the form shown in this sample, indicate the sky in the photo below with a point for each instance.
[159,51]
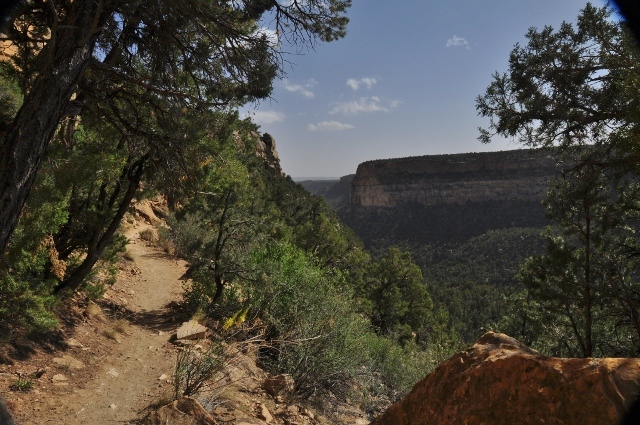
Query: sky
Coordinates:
[403,82]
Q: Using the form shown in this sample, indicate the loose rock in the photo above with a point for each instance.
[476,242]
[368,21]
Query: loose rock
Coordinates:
[279,385]
[68,362]
[191,330]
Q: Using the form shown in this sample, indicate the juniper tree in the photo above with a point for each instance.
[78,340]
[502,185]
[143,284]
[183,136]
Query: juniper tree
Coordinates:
[101,55]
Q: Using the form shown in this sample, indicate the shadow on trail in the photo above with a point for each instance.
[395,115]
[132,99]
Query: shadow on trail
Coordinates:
[166,319]
[158,255]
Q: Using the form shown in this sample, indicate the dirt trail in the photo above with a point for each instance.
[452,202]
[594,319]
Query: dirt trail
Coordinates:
[123,377]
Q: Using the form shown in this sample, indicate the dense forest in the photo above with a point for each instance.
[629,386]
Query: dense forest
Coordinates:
[143,103]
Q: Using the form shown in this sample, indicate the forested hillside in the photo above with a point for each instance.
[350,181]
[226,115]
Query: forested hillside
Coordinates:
[143,106]
[559,272]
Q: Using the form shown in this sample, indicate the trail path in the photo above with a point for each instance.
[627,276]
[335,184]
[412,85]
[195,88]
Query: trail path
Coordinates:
[123,376]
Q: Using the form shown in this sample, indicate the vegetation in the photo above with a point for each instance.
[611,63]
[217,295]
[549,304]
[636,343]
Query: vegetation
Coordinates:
[575,89]
[154,87]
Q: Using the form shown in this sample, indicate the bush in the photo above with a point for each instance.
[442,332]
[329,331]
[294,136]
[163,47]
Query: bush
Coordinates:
[196,370]
[390,372]
[316,334]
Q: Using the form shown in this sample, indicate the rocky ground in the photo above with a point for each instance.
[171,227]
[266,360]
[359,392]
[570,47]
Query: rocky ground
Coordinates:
[111,362]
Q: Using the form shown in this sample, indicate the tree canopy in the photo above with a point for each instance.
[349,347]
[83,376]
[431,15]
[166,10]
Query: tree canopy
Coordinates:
[137,63]
[575,90]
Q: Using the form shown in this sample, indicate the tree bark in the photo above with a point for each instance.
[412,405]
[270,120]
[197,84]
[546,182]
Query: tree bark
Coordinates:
[64,60]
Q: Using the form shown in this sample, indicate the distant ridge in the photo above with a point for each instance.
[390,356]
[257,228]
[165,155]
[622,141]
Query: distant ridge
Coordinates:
[448,198]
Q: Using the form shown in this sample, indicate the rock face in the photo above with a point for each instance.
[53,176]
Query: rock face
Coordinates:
[501,381]
[266,149]
[459,178]
[448,198]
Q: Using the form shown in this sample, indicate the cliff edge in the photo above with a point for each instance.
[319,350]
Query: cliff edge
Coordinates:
[455,178]
[499,380]
[438,199]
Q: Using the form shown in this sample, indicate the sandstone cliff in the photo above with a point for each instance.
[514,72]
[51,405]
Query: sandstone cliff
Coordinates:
[447,198]
[501,381]
[458,178]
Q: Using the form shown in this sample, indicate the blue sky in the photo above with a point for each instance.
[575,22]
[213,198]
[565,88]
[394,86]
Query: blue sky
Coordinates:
[402,83]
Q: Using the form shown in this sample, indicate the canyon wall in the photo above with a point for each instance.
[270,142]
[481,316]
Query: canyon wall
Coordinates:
[439,199]
[457,178]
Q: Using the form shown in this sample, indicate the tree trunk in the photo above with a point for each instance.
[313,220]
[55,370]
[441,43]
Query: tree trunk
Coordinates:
[100,242]
[63,60]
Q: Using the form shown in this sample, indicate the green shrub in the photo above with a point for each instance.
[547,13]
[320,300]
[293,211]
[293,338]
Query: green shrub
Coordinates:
[22,384]
[390,371]
[317,335]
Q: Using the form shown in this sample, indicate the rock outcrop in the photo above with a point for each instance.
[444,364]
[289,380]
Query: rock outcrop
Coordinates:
[458,178]
[266,149]
[447,198]
[501,381]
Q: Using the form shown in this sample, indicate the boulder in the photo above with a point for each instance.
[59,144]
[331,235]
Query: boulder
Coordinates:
[279,385]
[191,330]
[68,362]
[499,380]
[184,411]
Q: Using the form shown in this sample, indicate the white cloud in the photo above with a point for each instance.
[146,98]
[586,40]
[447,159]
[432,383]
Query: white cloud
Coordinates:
[266,117]
[365,104]
[302,89]
[366,81]
[329,126]
[272,36]
[456,41]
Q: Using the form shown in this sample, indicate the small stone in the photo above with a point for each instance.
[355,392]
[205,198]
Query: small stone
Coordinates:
[59,378]
[72,342]
[112,373]
[162,377]
[279,385]
[264,414]
[113,406]
[68,362]
[25,345]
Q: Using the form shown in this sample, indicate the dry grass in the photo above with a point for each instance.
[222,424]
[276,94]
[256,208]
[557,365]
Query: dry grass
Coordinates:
[111,334]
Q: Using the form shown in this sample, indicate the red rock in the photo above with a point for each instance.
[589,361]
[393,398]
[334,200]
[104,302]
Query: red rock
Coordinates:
[501,381]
